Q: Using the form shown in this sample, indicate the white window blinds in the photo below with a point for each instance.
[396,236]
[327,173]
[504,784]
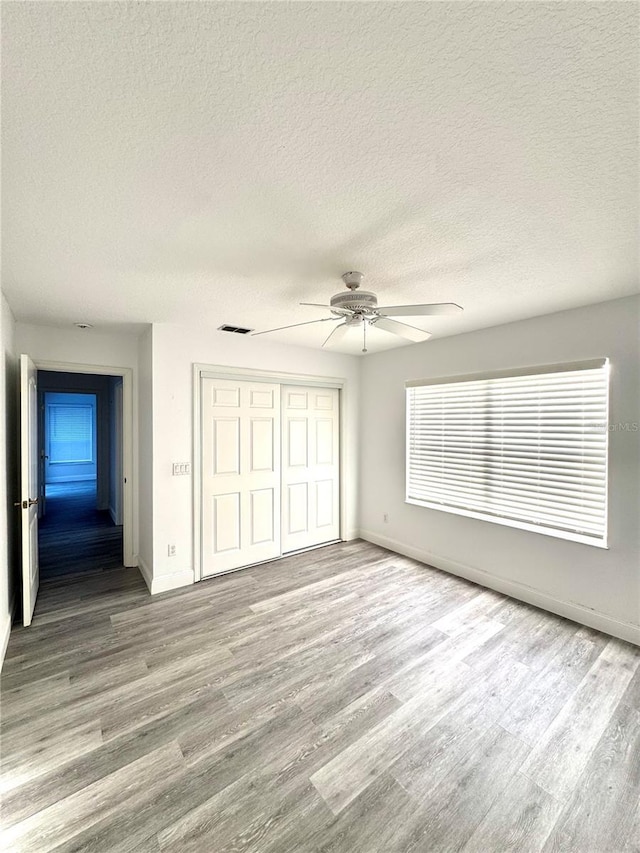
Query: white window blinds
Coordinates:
[70,433]
[525,448]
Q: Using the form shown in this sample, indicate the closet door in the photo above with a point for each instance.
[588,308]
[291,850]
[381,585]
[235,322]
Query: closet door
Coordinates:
[240,474]
[310,466]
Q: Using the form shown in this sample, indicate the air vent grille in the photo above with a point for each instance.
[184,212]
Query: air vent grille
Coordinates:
[238,330]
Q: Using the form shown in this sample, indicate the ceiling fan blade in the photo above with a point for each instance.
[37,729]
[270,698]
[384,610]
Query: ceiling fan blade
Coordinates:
[417,310]
[337,334]
[411,333]
[293,325]
[315,304]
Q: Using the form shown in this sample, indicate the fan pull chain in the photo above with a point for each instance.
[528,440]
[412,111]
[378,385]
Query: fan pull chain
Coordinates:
[364,336]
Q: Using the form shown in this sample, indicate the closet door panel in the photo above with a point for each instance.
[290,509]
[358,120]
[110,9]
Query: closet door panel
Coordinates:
[310,467]
[241,475]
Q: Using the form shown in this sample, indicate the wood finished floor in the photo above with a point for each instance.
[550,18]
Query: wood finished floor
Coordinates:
[345,700]
[74,536]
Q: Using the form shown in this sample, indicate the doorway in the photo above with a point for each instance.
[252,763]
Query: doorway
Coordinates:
[32,501]
[80,524]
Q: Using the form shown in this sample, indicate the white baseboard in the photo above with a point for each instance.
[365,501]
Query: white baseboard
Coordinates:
[172,581]
[352,534]
[165,582]
[5,630]
[146,572]
[576,612]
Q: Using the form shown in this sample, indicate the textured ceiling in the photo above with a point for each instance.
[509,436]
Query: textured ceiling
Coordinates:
[206,162]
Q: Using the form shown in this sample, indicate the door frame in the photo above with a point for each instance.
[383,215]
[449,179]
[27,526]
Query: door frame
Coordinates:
[128,470]
[218,371]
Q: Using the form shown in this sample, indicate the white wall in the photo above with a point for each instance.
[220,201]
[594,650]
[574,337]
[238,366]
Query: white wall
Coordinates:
[175,350]
[9,491]
[598,587]
[145,454]
[77,346]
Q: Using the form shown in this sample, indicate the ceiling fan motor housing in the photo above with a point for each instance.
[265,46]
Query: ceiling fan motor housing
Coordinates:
[355,300]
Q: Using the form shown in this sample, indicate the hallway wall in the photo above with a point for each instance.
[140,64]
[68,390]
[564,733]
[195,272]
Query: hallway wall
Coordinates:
[115,449]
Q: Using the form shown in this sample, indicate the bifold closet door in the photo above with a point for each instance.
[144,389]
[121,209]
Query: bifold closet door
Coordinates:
[310,466]
[240,474]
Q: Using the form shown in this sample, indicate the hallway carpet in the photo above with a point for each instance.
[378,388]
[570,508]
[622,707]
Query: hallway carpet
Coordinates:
[73,535]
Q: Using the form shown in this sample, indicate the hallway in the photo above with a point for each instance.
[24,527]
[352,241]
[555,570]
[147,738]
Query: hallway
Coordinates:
[73,535]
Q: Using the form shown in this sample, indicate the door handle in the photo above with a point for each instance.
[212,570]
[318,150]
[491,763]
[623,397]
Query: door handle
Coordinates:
[26,504]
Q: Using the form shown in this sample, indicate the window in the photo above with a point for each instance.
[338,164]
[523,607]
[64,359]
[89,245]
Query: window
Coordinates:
[526,448]
[70,433]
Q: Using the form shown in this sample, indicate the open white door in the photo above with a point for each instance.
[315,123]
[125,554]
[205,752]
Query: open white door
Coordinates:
[29,485]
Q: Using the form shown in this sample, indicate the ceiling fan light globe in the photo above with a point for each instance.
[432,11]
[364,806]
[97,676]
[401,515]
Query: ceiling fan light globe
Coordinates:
[356,320]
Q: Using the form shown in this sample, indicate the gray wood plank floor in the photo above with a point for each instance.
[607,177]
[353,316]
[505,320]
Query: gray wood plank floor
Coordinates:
[345,700]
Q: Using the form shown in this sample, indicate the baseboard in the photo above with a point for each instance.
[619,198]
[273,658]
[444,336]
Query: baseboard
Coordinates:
[172,581]
[352,534]
[146,573]
[576,612]
[166,582]
[5,630]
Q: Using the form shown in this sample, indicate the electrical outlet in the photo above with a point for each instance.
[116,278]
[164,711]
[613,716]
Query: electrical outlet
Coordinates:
[385,518]
[171,550]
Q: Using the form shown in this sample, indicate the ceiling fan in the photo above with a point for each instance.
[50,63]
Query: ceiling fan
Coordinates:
[357,310]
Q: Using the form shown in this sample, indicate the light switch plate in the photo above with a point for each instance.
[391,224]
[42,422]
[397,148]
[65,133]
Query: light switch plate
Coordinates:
[180,468]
